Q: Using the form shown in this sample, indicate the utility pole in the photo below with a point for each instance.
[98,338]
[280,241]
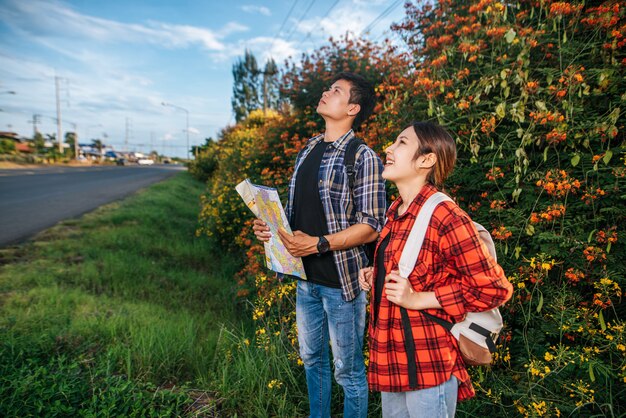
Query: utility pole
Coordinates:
[35,122]
[59,129]
[127,134]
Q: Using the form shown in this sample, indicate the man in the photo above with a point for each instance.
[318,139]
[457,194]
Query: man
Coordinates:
[331,222]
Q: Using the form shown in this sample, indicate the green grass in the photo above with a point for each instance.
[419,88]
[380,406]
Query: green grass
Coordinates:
[117,313]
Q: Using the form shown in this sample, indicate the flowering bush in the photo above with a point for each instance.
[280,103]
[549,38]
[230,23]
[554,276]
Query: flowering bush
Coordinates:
[533,91]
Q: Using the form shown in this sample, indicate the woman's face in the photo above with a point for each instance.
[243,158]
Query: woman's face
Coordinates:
[399,163]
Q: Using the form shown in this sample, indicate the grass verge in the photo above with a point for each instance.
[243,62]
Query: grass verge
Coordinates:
[117,313]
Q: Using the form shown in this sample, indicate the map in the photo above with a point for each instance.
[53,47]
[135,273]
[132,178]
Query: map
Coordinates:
[264,202]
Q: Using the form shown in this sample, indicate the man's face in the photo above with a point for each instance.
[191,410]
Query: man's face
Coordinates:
[335,102]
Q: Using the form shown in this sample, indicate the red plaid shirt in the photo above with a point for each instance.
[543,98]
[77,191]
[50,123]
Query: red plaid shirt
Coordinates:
[465,278]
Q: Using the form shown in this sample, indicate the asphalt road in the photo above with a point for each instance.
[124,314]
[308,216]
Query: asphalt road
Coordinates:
[32,200]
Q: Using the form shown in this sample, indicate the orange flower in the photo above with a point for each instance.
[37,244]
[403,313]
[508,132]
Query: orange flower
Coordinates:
[494,173]
[559,183]
[532,86]
[498,204]
[592,254]
[501,233]
[488,125]
[561,8]
[574,275]
[556,137]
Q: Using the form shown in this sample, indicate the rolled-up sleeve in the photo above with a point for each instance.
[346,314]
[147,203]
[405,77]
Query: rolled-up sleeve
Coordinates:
[369,190]
[482,284]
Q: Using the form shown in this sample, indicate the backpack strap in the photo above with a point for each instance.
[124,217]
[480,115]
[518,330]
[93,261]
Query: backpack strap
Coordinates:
[415,239]
[350,159]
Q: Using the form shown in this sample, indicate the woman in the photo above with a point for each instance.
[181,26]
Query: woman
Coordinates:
[424,375]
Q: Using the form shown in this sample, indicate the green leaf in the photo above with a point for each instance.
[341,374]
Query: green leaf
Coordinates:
[614,116]
[607,157]
[601,320]
[540,304]
[591,235]
[564,37]
[530,230]
[591,375]
[545,154]
[575,160]
[501,110]
[518,250]
[541,105]
[608,247]
[510,36]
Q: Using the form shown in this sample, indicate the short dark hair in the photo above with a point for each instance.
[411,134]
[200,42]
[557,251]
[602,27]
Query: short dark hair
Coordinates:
[436,139]
[361,93]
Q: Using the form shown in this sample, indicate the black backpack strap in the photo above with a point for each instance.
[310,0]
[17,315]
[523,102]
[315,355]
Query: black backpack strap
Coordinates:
[409,348]
[350,159]
[447,325]
[489,338]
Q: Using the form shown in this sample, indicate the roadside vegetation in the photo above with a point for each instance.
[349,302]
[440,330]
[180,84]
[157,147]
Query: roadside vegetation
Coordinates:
[533,93]
[124,312]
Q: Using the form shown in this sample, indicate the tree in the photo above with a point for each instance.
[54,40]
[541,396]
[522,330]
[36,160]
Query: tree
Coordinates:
[70,138]
[39,142]
[271,91]
[97,144]
[246,86]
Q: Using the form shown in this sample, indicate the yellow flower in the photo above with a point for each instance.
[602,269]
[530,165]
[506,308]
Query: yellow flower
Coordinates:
[621,347]
[548,356]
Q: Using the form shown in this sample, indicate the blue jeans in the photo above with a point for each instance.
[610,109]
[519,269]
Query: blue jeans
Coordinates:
[322,314]
[436,402]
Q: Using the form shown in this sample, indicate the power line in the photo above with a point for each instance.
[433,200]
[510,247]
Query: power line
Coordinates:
[308,35]
[381,16]
[299,21]
[283,24]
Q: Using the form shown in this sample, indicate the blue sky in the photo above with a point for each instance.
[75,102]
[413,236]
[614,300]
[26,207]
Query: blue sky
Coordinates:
[117,61]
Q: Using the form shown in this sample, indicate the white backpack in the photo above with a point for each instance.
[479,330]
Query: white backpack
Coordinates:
[478,332]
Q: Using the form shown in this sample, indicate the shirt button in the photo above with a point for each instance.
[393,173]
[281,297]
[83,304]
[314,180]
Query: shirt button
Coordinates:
[321,181]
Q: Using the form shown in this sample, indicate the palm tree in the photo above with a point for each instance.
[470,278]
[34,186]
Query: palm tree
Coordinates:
[97,144]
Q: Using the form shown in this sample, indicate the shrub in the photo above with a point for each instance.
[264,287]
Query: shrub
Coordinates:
[533,93]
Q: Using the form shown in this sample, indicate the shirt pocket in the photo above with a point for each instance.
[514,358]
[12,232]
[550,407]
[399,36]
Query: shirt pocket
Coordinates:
[336,184]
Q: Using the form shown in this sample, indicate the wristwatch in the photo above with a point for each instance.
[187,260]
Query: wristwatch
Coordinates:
[323,245]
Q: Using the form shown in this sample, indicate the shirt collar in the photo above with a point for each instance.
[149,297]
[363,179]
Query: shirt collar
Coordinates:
[415,206]
[341,143]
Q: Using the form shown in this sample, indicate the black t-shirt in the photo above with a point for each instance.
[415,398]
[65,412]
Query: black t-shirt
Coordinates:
[379,280]
[309,217]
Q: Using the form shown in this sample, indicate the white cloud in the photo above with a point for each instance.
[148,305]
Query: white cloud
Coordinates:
[256,9]
[52,19]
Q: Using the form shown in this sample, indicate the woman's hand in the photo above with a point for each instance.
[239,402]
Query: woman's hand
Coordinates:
[398,290]
[366,278]
[261,230]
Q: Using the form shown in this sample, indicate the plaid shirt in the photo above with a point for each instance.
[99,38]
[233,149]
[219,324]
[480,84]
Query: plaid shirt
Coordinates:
[465,278]
[366,205]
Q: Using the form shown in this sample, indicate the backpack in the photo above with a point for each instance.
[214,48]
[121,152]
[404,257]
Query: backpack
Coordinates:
[349,161]
[478,332]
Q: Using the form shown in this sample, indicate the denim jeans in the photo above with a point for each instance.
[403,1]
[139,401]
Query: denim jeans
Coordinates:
[436,402]
[322,314]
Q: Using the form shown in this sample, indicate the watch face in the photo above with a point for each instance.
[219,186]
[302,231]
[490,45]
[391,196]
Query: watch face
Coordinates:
[323,245]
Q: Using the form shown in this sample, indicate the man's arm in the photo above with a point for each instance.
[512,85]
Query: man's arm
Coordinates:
[300,244]
[369,201]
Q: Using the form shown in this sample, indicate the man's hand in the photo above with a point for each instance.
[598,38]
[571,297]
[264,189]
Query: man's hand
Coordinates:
[399,291]
[299,244]
[261,230]
[366,278]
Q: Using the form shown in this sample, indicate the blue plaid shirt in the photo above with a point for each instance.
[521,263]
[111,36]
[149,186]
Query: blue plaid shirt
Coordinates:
[366,205]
